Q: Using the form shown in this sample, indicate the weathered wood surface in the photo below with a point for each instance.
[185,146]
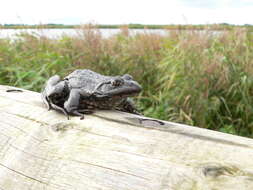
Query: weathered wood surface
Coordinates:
[42,150]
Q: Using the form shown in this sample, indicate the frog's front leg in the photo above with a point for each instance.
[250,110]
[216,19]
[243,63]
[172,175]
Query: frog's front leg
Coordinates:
[72,104]
[127,105]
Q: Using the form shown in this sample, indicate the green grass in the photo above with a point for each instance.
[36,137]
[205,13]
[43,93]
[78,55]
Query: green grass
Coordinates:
[198,78]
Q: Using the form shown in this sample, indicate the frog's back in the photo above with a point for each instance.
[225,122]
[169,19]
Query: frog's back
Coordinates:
[85,78]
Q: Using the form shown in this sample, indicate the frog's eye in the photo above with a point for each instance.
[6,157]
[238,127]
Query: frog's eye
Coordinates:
[127,77]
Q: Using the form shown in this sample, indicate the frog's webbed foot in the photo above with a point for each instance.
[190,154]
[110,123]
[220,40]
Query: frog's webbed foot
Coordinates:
[77,113]
[81,113]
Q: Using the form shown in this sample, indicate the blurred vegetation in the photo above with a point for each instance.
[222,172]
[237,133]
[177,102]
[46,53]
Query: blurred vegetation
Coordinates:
[202,78]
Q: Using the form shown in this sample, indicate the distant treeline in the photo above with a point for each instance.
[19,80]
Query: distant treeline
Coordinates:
[221,26]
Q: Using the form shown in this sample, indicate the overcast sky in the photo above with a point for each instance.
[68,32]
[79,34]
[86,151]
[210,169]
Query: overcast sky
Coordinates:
[127,11]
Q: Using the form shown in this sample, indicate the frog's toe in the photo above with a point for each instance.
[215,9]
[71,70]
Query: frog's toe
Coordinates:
[77,113]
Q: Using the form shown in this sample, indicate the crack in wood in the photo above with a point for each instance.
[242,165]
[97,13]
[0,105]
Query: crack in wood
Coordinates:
[22,174]
[115,170]
[23,131]
[123,152]
[28,118]
[27,153]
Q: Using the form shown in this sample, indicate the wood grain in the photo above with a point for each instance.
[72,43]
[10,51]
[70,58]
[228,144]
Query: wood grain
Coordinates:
[109,150]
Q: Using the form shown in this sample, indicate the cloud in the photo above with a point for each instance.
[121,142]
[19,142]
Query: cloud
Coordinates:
[213,4]
[124,12]
[201,3]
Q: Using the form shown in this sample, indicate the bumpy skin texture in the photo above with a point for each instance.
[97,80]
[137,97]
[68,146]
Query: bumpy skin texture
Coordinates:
[83,91]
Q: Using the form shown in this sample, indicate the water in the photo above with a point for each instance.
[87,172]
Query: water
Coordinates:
[56,33]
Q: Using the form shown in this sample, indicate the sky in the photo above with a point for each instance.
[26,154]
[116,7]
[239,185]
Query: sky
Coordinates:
[126,11]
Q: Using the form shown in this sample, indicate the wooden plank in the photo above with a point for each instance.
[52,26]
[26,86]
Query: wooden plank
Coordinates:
[42,150]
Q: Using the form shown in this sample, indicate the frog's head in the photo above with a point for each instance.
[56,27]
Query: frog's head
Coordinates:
[53,90]
[121,86]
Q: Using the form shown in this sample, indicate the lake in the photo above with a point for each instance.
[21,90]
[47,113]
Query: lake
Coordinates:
[56,33]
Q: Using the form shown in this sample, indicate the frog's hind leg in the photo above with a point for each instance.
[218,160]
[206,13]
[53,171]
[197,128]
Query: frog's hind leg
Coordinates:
[45,100]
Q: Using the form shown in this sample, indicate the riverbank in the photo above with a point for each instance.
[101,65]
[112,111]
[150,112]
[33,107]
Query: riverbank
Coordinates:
[223,26]
[195,78]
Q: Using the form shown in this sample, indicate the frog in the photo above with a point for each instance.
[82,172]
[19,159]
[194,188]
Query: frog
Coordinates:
[83,91]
